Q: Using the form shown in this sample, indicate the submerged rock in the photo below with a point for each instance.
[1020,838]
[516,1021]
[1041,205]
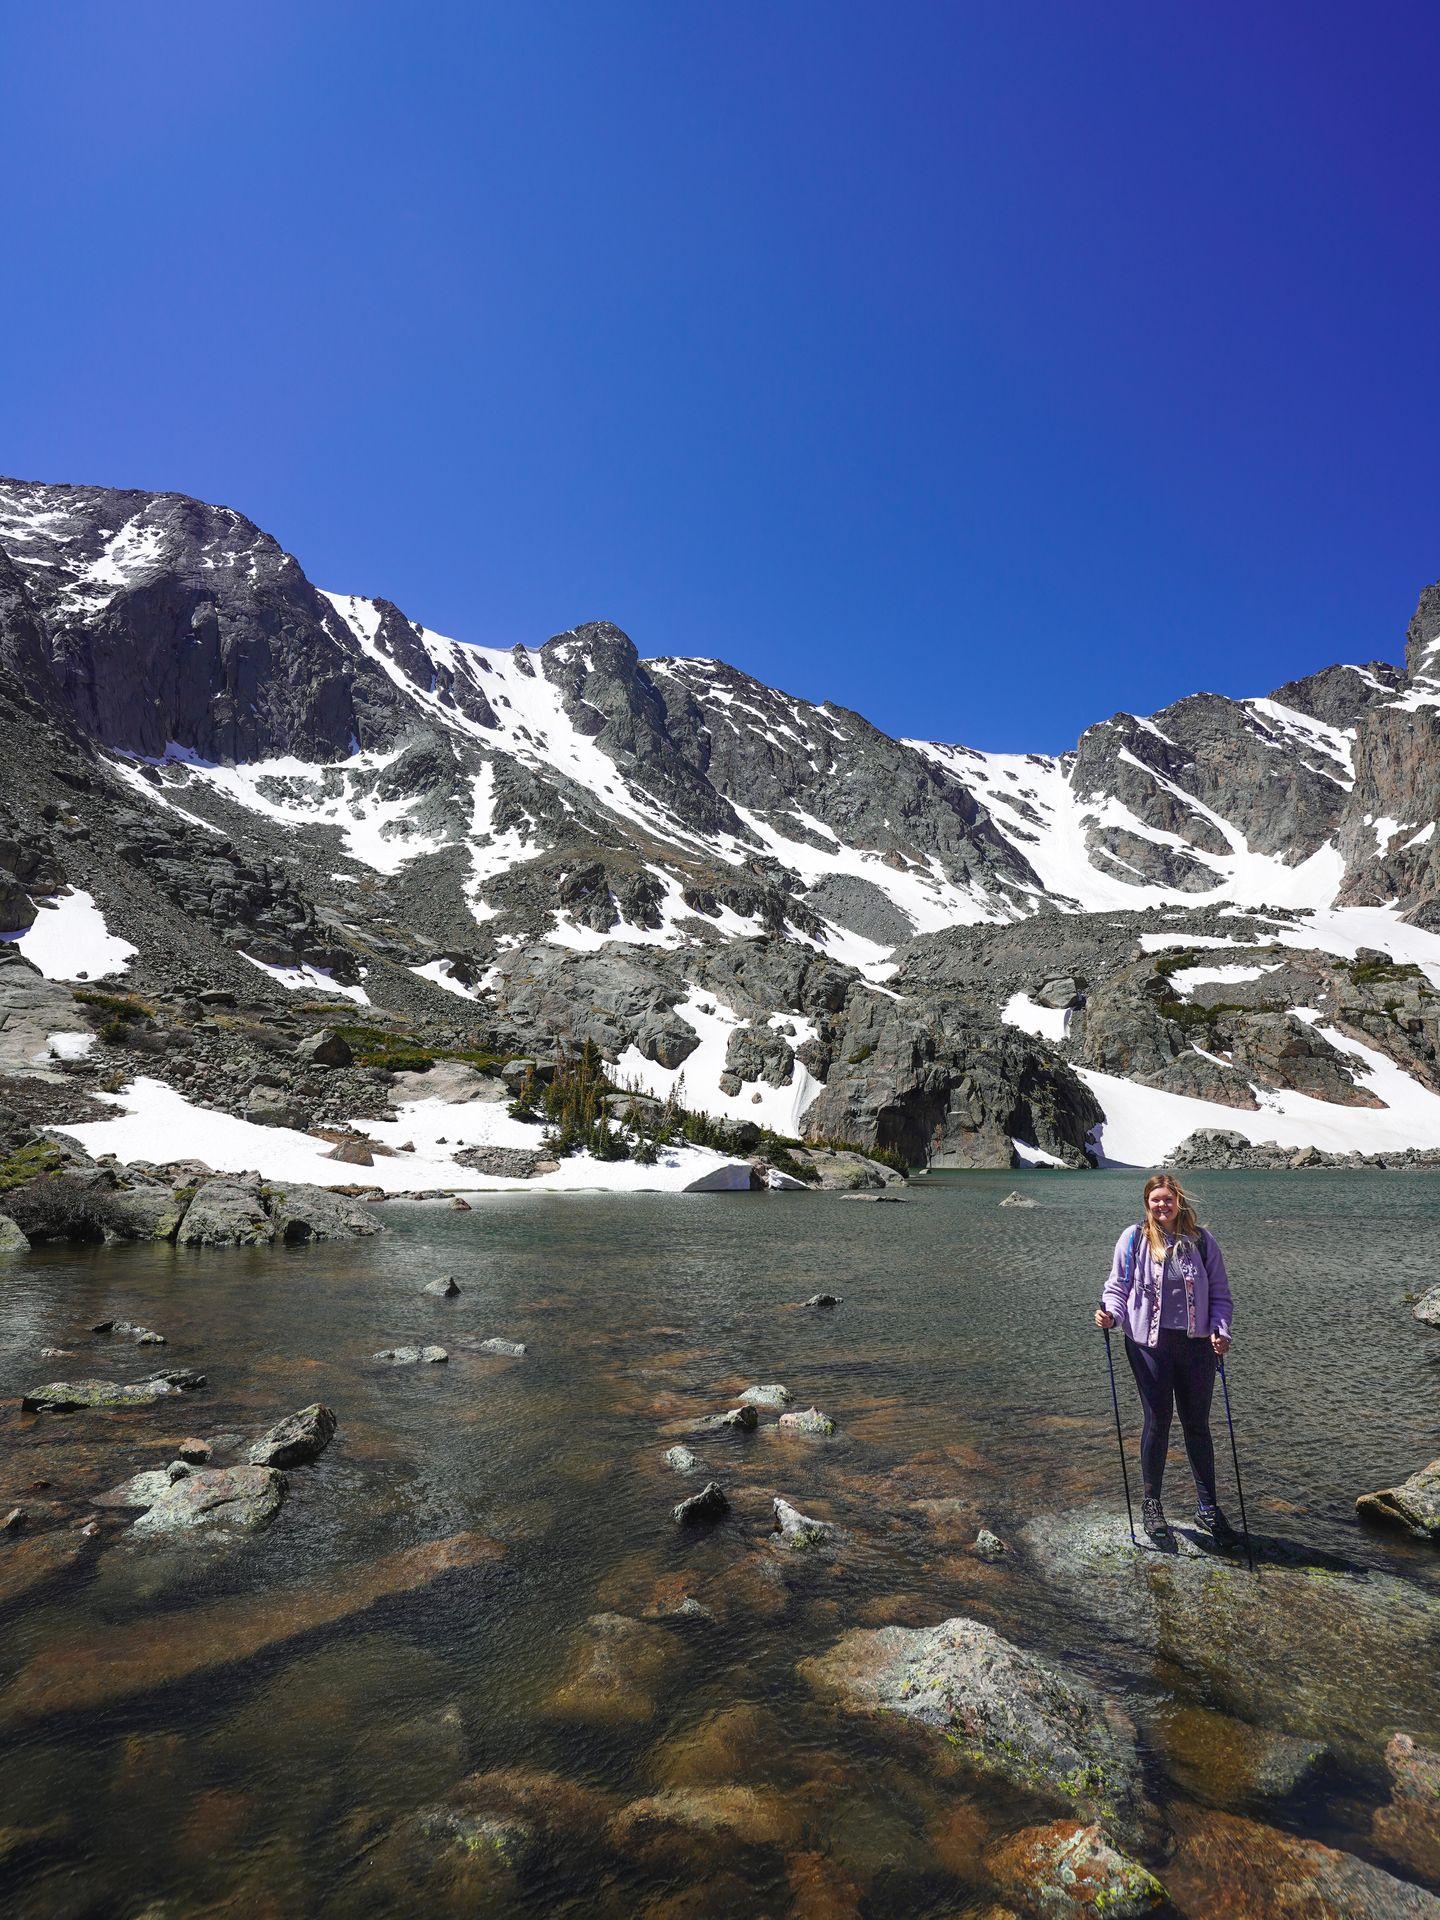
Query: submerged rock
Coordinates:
[28,1560]
[298,1438]
[65,1396]
[1408,1828]
[617,1668]
[1018,1200]
[1414,1505]
[1066,1871]
[724,1814]
[795,1529]
[1337,1646]
[512,1349]
[812,1420]
[1221,1761]
[709,1504]
[682,1460]
[128,1330]
[1228,1865]
[444,1288]
[225,1499]
[771,1396]
[410,1356]
[1005,1710]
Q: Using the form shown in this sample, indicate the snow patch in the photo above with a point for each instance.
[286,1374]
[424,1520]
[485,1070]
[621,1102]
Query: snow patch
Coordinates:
[309,980]
[70,941]
[1046,1023]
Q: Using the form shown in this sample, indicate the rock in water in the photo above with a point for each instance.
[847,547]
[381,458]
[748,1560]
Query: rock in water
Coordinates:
[444,1288]
[318,1213]
[1018,1200]
[141,1490]
[1007,1711]
[512,1349]
[127,1330]
[1414,1505]
[824,1300]
[65,1396]
[744,1418]
[12,1240]
[1427,1307]
[1232,1866]
[682,1460]
[709,1504]
[223,1214]
[796,1529]
[617,1669]
[1066,1871]
[227,1499]
[410,1356]
[812,1420]
[988,1545]
[296,1439]
[771,1396]
[1408,1829]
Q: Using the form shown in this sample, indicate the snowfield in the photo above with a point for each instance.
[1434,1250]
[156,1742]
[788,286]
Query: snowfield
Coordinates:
[70,941]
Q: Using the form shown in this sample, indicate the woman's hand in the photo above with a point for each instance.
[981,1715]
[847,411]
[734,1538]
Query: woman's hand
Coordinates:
[1104,1320]
[1221,1343]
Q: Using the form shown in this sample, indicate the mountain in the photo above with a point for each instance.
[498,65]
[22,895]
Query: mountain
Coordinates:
[219,779]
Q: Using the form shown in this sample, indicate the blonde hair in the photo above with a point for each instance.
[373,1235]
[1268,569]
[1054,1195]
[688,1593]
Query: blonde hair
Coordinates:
[1187,1227]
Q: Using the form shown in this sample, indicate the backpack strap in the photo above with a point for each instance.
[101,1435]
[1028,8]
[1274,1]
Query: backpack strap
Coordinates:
[1130,1254]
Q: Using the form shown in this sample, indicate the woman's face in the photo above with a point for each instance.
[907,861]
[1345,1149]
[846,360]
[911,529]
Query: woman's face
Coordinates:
[1162,1206]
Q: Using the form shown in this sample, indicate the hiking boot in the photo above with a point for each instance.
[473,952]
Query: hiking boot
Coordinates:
[1152,1519]
[1212,1521]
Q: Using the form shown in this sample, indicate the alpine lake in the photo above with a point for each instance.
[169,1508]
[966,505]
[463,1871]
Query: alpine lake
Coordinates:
[476,1667]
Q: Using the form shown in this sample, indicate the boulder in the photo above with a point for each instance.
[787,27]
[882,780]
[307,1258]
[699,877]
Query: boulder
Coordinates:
[771,1396]
[223,1214]
[194,1452]
[444,1288]
[12,1240]
[824,1300]
[220,1499]
[709,1504]
[147,1213]
[410,1356]
[295,1440]
[797,1530]
[1227,1865]
[325,1049]
[512,1349]
[1003,1709]
[811,1421]
[1427,1308]
[1413,1506]
[352,1153]
[1066,1870]
[319,1213]
[745,1418]
[1407,1829]
[1018,1200]
[989,1546]
[65,1396]
[682,1460]
[273,1107]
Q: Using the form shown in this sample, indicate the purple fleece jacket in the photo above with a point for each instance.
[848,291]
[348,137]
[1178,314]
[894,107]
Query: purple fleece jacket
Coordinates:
[1133,1291]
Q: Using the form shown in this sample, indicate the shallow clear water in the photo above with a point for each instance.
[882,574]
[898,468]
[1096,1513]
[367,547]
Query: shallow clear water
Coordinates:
[146,1767]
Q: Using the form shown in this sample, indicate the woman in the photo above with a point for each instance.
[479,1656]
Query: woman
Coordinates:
[1169,1290]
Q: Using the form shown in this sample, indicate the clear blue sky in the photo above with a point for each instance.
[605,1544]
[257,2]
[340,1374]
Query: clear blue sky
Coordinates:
[985,367]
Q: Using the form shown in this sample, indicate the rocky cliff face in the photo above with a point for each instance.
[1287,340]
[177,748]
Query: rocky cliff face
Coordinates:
[272,790]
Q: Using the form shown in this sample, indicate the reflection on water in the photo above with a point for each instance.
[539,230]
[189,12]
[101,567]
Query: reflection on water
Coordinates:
[321,1720]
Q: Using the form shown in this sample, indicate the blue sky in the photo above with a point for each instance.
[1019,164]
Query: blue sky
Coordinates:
[983,367]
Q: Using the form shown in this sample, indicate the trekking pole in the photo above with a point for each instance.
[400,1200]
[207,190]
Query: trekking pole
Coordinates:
[1124,1470]
[1239,1483]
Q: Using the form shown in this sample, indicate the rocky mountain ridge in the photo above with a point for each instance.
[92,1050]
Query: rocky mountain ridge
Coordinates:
[307,799]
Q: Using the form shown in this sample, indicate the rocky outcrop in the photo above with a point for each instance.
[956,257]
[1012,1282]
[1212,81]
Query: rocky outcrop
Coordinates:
[66,1396]
[223,1214]
[1413,1506]
[215,1500]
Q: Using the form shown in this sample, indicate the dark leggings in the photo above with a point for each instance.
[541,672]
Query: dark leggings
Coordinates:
[1177,1372]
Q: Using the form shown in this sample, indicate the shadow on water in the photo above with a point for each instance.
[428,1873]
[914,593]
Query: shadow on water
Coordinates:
[273,1728]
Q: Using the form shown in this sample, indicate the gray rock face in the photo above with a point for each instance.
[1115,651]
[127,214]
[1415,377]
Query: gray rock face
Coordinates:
[1413,1506]
[319,1213]
[225,1215]
[295,1440]
[219,1499]
[1006,1710]
[12,1240]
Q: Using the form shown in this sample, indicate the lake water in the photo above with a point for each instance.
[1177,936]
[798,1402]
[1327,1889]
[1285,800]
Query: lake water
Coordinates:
[268,1729]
